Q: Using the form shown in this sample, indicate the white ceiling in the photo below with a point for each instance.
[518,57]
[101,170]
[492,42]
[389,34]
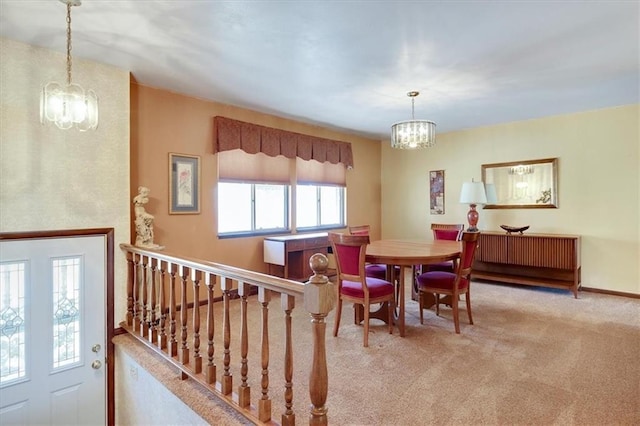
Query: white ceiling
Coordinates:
[349,64]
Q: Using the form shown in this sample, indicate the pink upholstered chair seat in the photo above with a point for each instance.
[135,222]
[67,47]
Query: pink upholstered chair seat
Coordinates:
[376,270]
[441,280]
[377,288]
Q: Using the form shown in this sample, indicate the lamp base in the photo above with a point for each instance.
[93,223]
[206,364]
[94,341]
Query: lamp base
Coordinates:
[472,217]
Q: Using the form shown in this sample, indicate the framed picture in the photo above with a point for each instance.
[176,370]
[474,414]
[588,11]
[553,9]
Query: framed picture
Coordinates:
[436,191]
[184,184]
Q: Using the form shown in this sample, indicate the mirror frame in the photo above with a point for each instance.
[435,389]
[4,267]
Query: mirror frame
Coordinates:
[553,202]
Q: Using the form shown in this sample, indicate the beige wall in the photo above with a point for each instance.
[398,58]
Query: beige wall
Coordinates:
[164,122]
[63,179]
[599,186]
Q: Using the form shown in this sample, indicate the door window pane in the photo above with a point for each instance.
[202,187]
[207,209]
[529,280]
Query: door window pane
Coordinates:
[66,311]
[12,322]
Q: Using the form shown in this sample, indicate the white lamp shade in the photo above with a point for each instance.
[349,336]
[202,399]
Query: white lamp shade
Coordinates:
[473,193]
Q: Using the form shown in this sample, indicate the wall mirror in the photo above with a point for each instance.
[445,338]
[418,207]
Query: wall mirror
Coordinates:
[531,184]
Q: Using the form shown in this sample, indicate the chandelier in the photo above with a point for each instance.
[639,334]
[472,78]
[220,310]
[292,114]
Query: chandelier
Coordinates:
[69,105]
[521,169]
[412,134]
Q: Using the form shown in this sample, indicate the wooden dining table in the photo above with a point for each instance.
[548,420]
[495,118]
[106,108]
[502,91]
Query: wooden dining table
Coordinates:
[407,254]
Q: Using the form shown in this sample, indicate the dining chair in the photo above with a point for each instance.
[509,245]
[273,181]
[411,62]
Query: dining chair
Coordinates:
[353,285]
[452,284]
[375,270]
[444,231]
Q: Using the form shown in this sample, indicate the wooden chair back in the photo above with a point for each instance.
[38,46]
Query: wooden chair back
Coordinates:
[359,230]
[469,244]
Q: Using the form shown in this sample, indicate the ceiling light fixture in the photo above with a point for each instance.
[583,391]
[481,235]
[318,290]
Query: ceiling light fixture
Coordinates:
[69,105]
[412,134]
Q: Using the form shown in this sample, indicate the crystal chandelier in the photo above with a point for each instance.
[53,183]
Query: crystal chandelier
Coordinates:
[69,105]
[412,134]
[521,169]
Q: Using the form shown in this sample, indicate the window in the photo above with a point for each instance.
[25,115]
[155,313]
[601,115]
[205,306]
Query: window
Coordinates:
[253,194]
[319,206]
[252,208]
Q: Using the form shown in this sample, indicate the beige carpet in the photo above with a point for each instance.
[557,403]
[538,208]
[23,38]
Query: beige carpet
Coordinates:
[534,357]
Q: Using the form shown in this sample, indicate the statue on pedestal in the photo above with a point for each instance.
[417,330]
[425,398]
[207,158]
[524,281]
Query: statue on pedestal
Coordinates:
[143,220]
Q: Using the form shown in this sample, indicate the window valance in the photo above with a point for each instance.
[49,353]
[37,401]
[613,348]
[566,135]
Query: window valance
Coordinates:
[232,134]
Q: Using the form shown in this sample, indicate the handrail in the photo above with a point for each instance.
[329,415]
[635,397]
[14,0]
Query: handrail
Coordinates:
[159,318]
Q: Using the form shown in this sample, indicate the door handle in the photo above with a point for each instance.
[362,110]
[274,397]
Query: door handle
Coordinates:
[96,348]
[96,364]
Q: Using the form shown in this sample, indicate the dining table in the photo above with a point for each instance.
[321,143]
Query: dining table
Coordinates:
[407,254]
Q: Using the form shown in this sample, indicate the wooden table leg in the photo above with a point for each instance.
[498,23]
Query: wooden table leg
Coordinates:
[401,281]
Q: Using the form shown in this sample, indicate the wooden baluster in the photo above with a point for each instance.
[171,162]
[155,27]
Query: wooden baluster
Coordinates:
[287,303]
[153,302]
[162,342]
[137,283]
[209,281]
[173,342]
[244,390]
[227,379]
[130,287]
[264,404]
[184,349]
[196,277]
[319,300]
[144,329]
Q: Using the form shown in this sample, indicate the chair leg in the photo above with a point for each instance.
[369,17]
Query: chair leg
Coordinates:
[468,299]
[336,323]
[456,316]
[391,306]
[421,303]
[437,296]
[366,325]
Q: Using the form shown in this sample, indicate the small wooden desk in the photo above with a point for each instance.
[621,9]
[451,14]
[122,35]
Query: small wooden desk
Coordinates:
[288,256]
[407,254]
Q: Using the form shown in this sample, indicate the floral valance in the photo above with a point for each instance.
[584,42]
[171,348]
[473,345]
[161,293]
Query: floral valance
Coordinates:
[232,134]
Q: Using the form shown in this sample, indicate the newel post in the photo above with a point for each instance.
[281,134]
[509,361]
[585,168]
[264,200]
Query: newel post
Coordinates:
[319,300]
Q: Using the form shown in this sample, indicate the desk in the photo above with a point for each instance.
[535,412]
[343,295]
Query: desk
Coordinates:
[288,256]
[407,254]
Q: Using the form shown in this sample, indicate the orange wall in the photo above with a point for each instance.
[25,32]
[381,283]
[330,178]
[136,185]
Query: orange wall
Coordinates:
[164,122]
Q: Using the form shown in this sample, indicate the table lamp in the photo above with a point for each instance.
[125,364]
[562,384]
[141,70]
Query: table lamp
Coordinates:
[473,194]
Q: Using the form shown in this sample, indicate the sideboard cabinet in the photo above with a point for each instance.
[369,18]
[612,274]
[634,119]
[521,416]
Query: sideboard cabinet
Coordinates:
[546,260]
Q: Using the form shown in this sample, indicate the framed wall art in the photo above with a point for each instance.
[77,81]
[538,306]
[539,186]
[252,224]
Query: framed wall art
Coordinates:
[436,191]
[184,184]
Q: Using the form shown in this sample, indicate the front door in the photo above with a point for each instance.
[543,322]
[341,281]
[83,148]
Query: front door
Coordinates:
[52,331]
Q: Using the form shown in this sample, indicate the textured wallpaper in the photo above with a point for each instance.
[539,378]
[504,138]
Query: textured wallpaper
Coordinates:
[63,179]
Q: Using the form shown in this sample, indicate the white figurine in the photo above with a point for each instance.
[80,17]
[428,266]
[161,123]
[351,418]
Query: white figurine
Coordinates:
[143,220]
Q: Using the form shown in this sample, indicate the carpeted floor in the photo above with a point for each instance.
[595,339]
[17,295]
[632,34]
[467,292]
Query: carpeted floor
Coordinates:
[534,357]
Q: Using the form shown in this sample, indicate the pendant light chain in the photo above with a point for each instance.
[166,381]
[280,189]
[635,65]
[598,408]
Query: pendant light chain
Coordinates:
[413,106]
[69,43]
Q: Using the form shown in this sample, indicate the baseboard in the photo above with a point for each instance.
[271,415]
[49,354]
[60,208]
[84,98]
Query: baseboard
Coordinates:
[611,292]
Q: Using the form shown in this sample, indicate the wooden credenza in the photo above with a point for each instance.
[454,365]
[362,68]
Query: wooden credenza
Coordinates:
[547,260]
[288,256]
